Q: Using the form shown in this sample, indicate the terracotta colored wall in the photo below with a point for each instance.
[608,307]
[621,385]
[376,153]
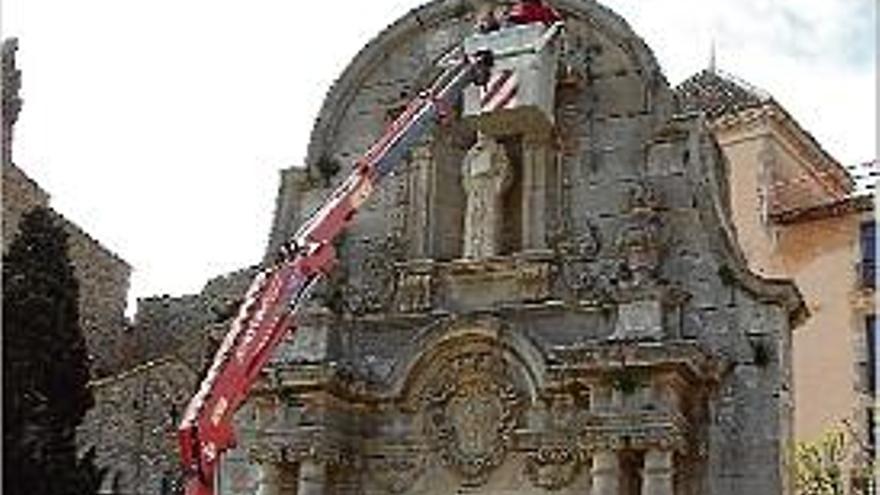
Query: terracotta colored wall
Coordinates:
[820,256]
[744,151]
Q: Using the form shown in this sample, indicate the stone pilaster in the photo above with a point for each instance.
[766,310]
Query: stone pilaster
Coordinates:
[419,207]
[276,478]
[658,473]
[312,477]
[601,398]
[537,160]
[606,473]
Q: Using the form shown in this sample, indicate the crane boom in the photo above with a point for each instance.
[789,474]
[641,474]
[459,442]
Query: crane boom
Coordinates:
[268,310]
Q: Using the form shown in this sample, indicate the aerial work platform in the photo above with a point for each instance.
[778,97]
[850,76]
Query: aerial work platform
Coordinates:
[519,97]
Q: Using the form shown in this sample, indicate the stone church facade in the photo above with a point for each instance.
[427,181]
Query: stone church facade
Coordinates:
[561,311]
[534,312]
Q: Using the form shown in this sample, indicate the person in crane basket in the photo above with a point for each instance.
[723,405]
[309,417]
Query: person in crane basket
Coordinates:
[531,11]
[488,22]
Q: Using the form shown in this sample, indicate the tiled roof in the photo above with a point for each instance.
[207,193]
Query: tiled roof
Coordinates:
[717,93]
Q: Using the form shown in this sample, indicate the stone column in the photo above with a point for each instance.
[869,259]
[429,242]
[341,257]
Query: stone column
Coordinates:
[606,473]
[312,477]
[537,158]
[419,227]
[276,479]
[618,399]
[601,397]
[658,472]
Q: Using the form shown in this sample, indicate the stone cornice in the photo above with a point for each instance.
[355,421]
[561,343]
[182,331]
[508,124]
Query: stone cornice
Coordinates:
[597,359]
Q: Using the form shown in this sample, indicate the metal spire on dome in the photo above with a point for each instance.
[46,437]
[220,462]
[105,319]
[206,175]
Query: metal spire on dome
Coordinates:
[712,65]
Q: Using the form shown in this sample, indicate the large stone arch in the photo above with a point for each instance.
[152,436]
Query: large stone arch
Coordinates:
[439,343]
[465,395]
[434,15]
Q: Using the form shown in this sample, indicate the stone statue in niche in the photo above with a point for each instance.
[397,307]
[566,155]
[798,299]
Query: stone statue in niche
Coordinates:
[487,174]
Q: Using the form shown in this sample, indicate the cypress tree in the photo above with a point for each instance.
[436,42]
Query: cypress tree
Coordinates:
[45,365]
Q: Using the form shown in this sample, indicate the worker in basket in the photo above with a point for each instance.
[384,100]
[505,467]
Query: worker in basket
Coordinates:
[488,21]
[531,11]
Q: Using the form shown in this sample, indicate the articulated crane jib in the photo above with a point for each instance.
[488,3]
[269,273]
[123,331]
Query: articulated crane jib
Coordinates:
[267,313]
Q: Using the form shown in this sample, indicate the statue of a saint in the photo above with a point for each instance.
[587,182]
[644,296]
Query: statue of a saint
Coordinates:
[486,175]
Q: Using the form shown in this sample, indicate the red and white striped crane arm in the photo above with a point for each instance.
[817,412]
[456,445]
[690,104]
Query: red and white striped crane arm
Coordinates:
[267,313]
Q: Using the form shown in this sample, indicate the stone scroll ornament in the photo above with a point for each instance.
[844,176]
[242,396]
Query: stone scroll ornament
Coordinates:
[470,412]
[639,243]
[577,253]
[375,287]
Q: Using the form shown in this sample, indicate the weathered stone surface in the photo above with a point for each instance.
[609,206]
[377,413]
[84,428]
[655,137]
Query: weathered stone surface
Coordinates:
[612,329]
[134,422]
[637,312]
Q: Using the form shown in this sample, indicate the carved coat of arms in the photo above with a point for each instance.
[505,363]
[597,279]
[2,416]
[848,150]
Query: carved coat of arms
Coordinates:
[470,412]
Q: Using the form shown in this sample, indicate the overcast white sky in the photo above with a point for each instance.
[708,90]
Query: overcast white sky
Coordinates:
[160,126]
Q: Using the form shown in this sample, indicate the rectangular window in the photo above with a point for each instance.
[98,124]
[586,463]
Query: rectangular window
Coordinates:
[869,254]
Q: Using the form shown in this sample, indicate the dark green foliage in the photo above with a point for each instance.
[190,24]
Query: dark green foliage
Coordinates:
[45,366]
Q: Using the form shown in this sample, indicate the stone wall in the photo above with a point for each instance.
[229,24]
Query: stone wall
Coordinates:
[102,275]
[20,195]
[103,285]
[133,426]
[164,353]
[181,325]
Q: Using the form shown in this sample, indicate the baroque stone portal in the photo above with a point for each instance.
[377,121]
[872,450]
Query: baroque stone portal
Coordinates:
[532,314]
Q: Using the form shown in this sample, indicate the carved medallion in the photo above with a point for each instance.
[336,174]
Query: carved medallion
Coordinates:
[374,288]
[577,257]
[470,412]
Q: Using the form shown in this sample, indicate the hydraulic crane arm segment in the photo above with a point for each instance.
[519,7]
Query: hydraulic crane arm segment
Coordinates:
[267,312]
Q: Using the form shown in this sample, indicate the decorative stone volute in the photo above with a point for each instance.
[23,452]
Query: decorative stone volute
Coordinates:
[639,243]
